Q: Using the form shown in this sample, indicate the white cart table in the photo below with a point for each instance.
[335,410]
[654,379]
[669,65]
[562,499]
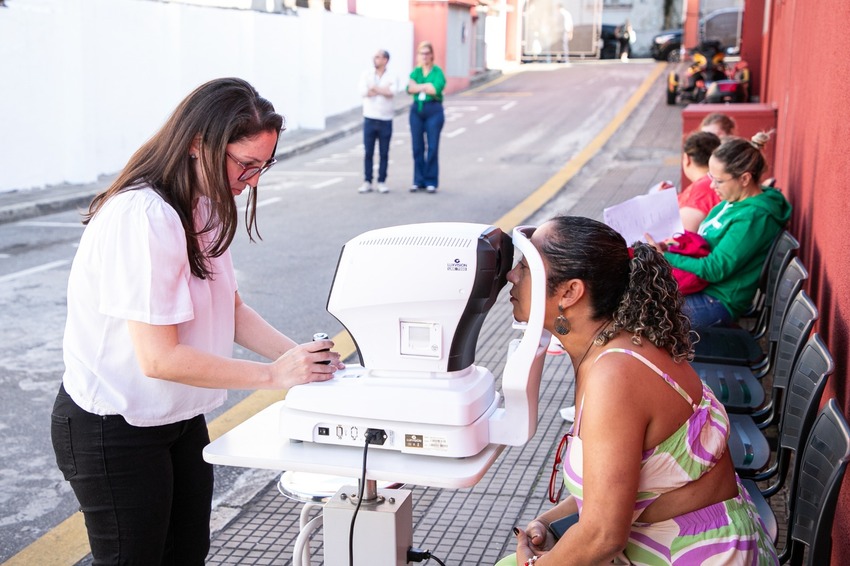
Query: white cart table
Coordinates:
[259,443]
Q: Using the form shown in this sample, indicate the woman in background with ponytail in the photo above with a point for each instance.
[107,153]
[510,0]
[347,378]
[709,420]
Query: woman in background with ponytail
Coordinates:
[645,463]
[739,230]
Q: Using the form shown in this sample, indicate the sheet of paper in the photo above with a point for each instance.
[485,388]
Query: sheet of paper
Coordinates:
[656,214]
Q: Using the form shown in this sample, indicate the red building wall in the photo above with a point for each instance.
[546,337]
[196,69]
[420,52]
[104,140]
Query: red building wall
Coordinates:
[430,23]
[803,66]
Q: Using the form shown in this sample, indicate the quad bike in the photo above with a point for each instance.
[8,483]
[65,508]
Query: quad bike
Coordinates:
[708,79]
[735,88]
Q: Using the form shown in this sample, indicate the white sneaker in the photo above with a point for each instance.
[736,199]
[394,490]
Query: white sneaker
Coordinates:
[382,188]
[555,347]
[431,189]
[365,188]
[414,188]
[569,414]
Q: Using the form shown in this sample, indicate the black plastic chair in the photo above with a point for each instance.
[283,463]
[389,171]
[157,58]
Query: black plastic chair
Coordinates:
[740,390]
[780,254]
[737,346]
[798,323]
[749,447]
[822,466]
[802,398]
[737,386]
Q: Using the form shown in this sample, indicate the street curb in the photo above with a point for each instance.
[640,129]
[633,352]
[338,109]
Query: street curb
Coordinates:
[34,209]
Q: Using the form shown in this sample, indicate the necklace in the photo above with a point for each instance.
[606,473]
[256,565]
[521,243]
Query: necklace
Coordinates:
[599,330]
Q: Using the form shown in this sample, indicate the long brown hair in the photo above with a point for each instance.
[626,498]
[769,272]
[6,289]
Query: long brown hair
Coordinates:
[217,113]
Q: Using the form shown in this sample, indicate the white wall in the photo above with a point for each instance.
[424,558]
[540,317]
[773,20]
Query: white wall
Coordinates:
[390,9]
[85,82]
[495,39]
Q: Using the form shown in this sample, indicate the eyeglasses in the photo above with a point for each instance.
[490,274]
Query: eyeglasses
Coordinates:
[426,53]
[717,181]
[556,482]
[248,172]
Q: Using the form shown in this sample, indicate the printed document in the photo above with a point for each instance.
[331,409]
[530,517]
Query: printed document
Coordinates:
[656,214]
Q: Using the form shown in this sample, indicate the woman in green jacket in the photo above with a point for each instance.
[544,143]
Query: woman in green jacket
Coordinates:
[739,230]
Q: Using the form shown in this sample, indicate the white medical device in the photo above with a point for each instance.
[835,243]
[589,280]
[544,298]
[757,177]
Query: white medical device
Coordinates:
[414,298]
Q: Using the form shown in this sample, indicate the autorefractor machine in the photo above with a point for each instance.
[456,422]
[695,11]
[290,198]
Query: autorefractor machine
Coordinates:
[414,298]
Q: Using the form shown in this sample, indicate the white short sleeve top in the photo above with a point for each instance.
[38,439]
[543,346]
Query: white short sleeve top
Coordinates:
[132,264]
[378,107]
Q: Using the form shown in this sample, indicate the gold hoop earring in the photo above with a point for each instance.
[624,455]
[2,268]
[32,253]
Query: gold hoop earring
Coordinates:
[562,325]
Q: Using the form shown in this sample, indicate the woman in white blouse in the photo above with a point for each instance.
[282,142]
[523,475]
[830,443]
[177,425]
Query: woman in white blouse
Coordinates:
[153,312]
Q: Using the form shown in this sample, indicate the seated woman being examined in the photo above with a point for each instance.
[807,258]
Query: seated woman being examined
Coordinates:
[645,464]
[739,231]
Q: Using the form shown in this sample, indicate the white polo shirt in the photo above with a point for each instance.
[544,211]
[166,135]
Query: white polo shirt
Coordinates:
[132,264]
[378,107]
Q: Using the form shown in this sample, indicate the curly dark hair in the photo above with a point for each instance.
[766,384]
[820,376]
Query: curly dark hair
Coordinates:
[639,294]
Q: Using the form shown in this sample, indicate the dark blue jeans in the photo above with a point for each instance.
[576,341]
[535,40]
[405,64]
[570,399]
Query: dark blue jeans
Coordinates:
[425,127]
[380,131]
[145,492]
[704,310]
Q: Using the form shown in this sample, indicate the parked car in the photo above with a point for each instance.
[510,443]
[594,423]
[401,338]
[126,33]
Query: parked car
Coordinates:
[666,45]
[723,25]
[614,40]
[609,42]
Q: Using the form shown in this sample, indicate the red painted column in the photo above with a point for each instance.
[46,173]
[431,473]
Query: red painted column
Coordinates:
[512,23]
[752,33]
[690,33]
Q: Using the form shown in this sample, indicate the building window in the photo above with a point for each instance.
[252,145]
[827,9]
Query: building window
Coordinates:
[617,3]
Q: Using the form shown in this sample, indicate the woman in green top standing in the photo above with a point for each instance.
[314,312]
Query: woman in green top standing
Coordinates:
[426,84]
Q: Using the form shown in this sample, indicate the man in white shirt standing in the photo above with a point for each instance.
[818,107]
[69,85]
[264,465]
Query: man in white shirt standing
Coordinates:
[377,86]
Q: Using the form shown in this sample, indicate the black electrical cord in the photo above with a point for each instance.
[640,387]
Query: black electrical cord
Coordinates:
[368,437]
[418,555]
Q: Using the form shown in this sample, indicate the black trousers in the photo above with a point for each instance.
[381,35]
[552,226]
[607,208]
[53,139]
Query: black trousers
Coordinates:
[145,492]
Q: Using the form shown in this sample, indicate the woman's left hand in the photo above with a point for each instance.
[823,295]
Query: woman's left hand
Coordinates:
[305,363]
[524,548]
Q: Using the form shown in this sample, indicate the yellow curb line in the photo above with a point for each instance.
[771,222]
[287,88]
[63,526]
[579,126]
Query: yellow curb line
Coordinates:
[67,543]
[495,81]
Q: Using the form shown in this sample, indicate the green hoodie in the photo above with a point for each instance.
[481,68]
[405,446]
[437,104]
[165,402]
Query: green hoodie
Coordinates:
[739,234]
